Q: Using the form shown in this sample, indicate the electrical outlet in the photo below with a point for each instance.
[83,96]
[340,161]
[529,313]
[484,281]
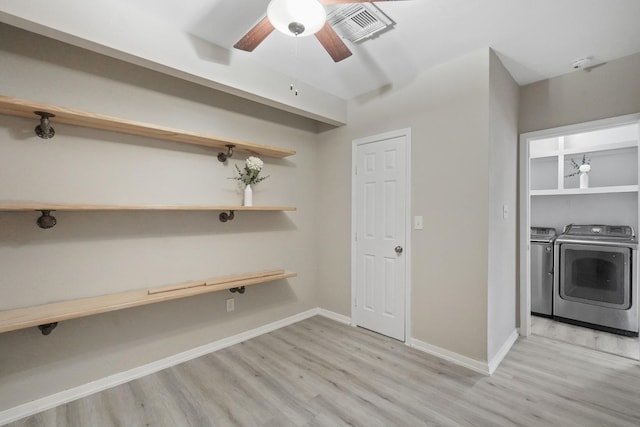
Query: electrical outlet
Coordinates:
[231,305]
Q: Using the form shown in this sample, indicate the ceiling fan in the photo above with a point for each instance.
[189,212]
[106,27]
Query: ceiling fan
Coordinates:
[299,18]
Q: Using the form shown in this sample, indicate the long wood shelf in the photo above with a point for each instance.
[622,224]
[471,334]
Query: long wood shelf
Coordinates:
[24,108]
[28,206]
[47,220]
[46,314]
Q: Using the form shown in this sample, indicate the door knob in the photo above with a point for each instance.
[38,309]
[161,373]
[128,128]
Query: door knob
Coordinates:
[398,249]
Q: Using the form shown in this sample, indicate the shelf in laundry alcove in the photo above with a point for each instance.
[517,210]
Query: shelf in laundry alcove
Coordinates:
[594,190]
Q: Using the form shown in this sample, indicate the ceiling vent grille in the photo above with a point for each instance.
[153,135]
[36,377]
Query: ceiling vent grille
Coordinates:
[358,21]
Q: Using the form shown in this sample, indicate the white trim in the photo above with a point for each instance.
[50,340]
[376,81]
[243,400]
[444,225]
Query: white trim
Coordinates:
[354,290]
[504,350]
[51,401]
[335,316]
[638,163]
[591,149]
[450,356]
[523,238]
[590,190]
[406,132]
[524,196]
[408,330]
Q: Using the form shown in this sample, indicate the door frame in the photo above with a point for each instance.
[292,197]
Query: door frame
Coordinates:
[525,200]
[406,133]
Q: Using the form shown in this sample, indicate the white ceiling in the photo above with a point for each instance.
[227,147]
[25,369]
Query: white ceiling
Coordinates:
[193,39]
[535,39]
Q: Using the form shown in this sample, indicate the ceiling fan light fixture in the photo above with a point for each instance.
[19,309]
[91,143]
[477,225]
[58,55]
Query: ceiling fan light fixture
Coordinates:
[297,17]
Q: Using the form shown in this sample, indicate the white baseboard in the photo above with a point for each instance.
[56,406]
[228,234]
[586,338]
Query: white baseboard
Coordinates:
[48,402]
[458,359]
[335,316]
[495,361]
[450,356]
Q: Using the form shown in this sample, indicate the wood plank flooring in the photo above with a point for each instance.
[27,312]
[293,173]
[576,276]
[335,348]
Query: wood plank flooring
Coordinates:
[586,337]
[321,373]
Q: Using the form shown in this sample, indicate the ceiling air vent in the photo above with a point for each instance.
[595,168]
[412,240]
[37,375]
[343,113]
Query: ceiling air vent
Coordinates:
[358,21]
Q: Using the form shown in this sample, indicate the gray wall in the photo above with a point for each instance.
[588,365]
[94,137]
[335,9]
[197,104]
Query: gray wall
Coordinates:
[607,90]
[447,109]
[558,211]
[89,254]
[503,149]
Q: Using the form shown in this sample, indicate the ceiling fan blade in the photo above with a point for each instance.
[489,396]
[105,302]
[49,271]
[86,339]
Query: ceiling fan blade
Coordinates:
[255,36]
[332,43]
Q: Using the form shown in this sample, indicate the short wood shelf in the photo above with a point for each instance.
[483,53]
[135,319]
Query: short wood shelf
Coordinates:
[50,314]
[594,190]
[23,108]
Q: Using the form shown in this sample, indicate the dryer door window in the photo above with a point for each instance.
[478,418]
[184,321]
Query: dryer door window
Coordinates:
[598,275]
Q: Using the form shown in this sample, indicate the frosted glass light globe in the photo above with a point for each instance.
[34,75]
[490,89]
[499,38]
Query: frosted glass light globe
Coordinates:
[285,14]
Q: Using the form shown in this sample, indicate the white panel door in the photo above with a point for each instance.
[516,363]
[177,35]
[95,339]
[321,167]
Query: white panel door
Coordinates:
[380,220]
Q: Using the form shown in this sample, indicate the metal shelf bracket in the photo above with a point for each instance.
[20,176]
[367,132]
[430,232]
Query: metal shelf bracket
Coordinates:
[224,217]
[222,157]
[46,220]
[47,328]
[44,129]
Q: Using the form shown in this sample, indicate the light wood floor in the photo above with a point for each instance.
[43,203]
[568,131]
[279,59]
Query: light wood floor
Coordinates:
[586,337]
[322,373]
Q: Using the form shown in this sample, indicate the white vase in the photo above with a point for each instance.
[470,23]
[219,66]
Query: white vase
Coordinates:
[248,195]
[584,180]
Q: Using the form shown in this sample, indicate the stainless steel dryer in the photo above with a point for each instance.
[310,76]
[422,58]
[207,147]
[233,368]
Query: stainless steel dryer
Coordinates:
[595,282]
[542,270]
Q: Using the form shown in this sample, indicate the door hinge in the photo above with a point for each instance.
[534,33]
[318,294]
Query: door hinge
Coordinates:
[355,302]
[356,236]
[355,169]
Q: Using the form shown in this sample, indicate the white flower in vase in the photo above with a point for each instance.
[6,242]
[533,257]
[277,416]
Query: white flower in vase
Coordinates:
[249,175]
[254,163]
[582,168]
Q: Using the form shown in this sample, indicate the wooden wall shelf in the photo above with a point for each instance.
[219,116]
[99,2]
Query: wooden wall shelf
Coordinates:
[23,108]
[27,206]
[46,316]
[46,220]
